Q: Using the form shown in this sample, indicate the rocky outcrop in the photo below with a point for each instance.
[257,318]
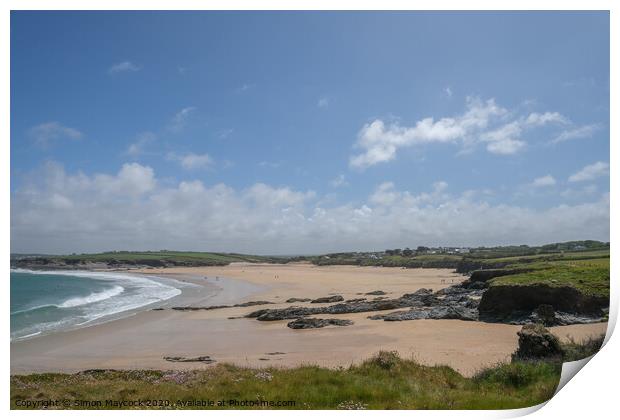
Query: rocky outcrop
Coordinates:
[376,293]
[546,315]
[440,312]
[508,302]
[328,299]
[450,303]
[536,342]
[305,323]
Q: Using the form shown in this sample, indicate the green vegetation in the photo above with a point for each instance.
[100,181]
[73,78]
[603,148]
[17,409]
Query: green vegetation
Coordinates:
[465,259]
[462,259]
[415,261]
[383,382]
[577,351]
[589,276]
[150,258]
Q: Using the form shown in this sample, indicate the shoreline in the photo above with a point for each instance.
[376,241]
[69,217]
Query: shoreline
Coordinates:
[143,340]
[192,290]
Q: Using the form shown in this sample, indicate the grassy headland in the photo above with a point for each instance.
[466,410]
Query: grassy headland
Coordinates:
[589,276]
[145,258]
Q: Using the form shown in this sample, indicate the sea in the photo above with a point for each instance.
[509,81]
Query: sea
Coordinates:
[43,302]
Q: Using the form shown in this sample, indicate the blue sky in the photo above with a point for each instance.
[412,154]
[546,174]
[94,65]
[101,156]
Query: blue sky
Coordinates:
[307,132]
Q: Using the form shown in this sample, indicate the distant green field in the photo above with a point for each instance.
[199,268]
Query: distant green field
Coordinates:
[572,255]
[155,258]
[487,257]
[169,255]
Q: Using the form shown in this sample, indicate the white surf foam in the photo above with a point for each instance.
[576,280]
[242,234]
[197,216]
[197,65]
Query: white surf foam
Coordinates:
[127,292]
[93,297]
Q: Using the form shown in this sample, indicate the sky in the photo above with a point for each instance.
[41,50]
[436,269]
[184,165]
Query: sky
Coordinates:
[307,132]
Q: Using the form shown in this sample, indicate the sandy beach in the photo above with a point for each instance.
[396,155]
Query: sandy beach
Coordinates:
[142,340]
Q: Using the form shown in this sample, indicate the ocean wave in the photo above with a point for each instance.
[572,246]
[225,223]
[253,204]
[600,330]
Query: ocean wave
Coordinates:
[34,308]
[92,298]
[125,294]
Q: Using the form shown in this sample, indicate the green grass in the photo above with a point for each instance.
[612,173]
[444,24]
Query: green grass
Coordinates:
[577,351]
[557,256]
[383,382]
[589,276]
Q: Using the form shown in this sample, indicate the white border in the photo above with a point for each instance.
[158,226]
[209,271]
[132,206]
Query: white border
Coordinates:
[592,395]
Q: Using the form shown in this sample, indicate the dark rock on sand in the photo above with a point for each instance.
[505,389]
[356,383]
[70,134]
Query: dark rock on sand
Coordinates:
[286,313]
[252,303]
[453,312]
[293,300]
[209,308]
[439,312]
[305,323]
[376,293]
[258,313]
[419,299]
[198,308]
[536,342]
[328,299]
[201,359]
[402,315]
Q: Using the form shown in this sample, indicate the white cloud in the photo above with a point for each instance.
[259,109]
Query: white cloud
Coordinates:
[506,146]
[193,161]
[548,117]
[447,91]
[44,134]
[323,102]
[590,172]
[582,132]
[505,140]
[381,143]
[58,212]
[132,180]
[478,124]
[544,181]
[339,181]
[385,194]
[179,121]
[124,66]
[142,140]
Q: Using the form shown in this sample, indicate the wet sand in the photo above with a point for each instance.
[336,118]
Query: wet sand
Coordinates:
[141,341]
